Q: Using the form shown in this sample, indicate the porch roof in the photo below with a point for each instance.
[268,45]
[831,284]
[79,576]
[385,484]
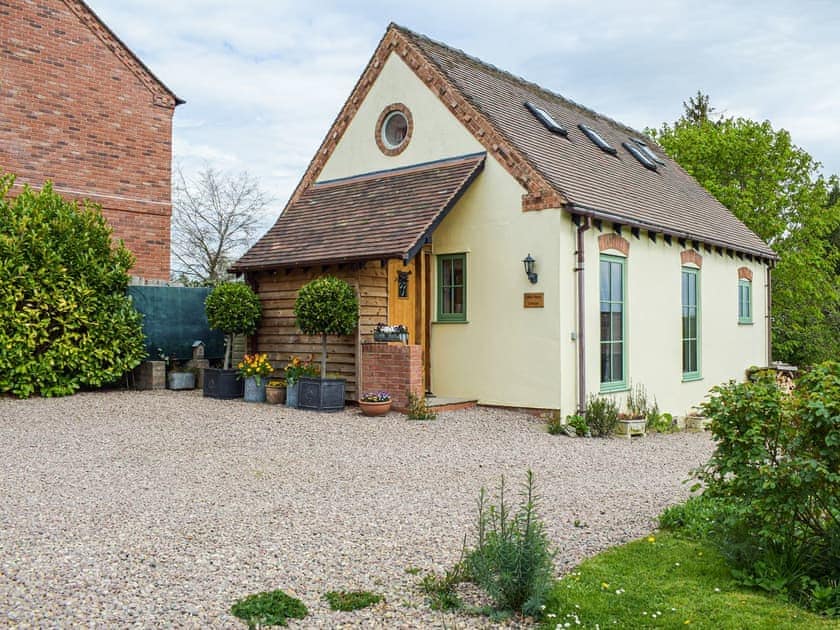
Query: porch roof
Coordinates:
[378,215]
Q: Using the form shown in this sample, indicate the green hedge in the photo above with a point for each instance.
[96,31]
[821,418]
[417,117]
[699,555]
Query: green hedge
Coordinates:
[65,321]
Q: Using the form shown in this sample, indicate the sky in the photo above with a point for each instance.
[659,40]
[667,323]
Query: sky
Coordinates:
[263,80]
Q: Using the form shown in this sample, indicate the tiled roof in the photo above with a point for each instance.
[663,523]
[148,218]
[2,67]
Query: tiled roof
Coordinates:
[385,214]
[612,187]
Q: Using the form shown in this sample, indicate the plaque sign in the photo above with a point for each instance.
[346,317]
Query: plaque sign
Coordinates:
[533,300]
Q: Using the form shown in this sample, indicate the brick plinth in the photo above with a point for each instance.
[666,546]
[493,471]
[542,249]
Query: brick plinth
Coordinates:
[394,368]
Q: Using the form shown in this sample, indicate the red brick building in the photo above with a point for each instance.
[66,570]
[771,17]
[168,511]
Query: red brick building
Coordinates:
[77,107]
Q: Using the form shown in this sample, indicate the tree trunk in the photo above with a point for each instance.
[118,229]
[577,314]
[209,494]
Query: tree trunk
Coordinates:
[323,356]
[228,351]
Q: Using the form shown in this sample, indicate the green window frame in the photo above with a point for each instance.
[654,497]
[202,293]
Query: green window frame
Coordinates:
[691,324]
[745,307]
[452,288]
[613,323]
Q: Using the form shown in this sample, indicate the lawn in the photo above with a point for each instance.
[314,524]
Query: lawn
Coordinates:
[664,581]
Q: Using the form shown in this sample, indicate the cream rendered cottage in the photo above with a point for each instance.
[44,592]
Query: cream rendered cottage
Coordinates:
[442,175]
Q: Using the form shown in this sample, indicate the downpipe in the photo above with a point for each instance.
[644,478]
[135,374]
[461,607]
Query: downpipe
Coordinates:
[584,225]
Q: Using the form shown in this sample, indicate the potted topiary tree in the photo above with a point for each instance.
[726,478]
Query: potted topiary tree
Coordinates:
[325,306]
[234,309]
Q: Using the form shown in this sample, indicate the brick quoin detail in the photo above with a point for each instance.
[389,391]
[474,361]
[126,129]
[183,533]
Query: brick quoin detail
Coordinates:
[394,368]
[540,196]
[614,241]
[744,273]
[79,109]
[691,256]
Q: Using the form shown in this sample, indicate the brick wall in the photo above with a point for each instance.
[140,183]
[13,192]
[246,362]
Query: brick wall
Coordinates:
[394,368]
[77,108]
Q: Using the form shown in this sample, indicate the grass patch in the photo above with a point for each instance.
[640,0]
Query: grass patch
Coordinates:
[268,609]
[352,600]
[665,581]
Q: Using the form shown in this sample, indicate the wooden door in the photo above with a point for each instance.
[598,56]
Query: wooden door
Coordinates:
[409,300]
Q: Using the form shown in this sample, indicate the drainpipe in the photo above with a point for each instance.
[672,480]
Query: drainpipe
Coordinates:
[581,333]
[768,286]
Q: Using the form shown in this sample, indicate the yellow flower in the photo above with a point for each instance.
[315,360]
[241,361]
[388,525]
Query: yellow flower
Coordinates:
[604,585]
[651,539]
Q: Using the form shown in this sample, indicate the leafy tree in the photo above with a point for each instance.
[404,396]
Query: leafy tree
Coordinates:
[326,306]
[65,319]
[775,188]
[234,309]
[215,217]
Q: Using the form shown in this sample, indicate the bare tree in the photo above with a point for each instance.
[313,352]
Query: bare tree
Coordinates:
[215,217]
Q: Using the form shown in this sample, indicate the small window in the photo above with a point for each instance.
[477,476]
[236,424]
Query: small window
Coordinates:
[394,129]
[545,118]
[745,301]
[613,346]
[690,324]
[636,152]
[644,148]
[597,140]
[452,288]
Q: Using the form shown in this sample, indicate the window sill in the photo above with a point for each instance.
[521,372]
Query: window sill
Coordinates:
[454,321]
[688,378]
[745,322]
[613,388]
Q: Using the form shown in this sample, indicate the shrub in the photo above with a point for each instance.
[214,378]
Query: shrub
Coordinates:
[234,309]
[777,468]
[65,319]
[555,423]
[326,306]
[695,518]
[352,600]
[418,409]
[637,401]
[268,609]
[512,559]
[601,416]
[578,423]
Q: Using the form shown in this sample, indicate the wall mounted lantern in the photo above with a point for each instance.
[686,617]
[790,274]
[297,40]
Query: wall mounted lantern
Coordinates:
[529,269]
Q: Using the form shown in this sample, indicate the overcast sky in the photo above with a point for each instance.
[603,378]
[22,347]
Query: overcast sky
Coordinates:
[263,80]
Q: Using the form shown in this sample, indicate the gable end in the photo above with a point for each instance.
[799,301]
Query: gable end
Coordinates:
[161,95]
[541,195]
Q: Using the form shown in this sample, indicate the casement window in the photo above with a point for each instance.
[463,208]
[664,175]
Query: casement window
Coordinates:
[452,288]
[613,320]
[690,324]
[745,315]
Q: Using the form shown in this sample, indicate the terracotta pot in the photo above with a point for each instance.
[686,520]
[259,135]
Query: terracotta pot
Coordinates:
[275,395]
[375,408]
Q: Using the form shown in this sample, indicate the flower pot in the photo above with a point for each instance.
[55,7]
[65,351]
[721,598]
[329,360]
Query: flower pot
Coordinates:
[321,394]
[292,394]
[180,380]
[220,383]
[254,389]
[375,408]
[275,395]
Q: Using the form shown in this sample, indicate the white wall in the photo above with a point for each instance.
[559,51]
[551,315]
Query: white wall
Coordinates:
[653,309]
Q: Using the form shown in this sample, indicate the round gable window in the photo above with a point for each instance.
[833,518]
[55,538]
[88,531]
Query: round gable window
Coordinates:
[393,129]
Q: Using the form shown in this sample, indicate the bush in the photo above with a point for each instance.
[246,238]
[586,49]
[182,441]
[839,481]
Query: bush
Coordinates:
[65,319]
[777,469]
[234,309]
[326,306]
[695,519]
[512,559]
[601,416]
[268,609]
[578,423]
[418,409]
[352,600]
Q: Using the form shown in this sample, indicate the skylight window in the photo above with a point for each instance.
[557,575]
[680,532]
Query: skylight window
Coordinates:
[597,140]
[636,152]
[644,148]
[545,118]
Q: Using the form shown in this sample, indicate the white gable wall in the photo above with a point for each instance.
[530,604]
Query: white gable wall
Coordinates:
[505,354]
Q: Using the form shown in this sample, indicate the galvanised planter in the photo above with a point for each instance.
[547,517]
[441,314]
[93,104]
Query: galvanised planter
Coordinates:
[321,394]
[254,391]
[221,383]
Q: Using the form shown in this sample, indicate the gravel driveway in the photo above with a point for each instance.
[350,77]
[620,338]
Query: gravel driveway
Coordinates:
[162,508]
